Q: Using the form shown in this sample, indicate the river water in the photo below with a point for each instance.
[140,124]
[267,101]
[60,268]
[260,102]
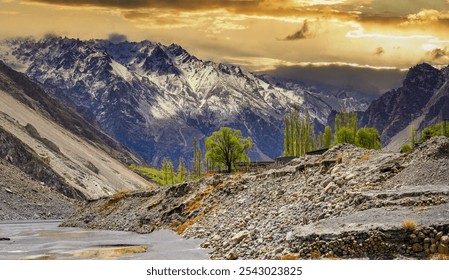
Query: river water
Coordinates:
[45,240]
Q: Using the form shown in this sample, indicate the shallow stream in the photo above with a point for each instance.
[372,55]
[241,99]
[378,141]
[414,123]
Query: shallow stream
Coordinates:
[45,240]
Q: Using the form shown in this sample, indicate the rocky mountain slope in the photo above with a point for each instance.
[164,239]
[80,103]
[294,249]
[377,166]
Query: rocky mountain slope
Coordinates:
[347,203]
[79,161]
[155,99]
[24,198]
[423,99]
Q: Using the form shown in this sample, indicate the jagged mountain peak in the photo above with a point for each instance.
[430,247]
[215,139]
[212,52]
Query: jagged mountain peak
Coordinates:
[155,98]
[424,76]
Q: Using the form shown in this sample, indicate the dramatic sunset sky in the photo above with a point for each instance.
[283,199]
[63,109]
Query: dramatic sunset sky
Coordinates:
[285,37]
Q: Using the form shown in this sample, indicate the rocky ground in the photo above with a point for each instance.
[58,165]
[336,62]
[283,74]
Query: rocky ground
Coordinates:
[346,203]
[22,198]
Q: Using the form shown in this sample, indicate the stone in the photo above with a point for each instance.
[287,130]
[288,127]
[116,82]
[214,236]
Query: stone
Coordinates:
[439,235]
[290,236]
[330,187]
[445,239]
[5,239]
[443,249]
[9,191]
[216,237]
[417,247]
[350,176]
[433,248]
[237,238]
[232,255]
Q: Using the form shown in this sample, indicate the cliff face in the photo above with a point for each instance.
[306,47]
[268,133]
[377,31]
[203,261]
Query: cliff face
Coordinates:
[396,109]
[346,203]
[56,146]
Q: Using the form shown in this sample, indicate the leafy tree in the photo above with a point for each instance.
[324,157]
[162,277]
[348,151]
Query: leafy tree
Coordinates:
[227,146]
[368,138]
[327,137]
[167,170]
[413,136]
[287,146]
[182,170]
[345,135]
[198,166]
[438,129]
[346,119]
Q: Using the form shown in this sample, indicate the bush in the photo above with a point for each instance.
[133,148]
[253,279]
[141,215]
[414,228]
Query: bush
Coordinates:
[406,149]
[409,225]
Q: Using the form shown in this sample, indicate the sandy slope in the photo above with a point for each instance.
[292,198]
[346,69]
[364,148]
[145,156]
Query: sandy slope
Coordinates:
[76,154]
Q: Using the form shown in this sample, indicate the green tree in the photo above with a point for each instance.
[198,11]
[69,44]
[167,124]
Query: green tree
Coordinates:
[368,138]
[227,146]
[345,135]
[413,136]
[198,166]
[182,170]
[348,120]
[287,145]
[167,170]
[327,137]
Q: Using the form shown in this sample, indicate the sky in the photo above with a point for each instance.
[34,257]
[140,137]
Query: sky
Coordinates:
[286,38]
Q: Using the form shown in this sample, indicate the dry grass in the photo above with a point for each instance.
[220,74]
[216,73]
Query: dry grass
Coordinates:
[339,158]
[365,157]
[409,225]
[440,257]
[289,257]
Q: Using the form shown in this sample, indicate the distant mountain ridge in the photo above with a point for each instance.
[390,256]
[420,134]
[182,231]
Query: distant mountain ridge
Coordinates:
[155,99]
[423,99]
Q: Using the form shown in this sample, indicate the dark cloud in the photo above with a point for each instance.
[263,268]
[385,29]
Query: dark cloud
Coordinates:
[166,4]
[117,38]
[303,33]
[367,81]
[379,51]
[438,53]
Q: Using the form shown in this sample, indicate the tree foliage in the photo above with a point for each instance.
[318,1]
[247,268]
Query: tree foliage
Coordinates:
[345,135]
[182,170]
[299,136]
[368,138]
[438,129]
[327,138]
[227,146]
[406,149]
[167,171]
[198,167]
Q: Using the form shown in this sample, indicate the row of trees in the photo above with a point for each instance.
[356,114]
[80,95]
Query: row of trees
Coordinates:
[223,149]
[439,129]
[300,137]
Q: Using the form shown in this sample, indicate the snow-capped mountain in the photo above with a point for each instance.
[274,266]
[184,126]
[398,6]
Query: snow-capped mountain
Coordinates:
[155,99]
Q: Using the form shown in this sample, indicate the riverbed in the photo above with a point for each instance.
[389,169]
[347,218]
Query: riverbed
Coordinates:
[46,240]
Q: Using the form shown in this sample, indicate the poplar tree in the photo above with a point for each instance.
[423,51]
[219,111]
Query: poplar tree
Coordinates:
[327,137]
[197,159]
[182,170]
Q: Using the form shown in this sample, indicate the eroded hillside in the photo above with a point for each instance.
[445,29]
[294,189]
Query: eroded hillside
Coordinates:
[346,203]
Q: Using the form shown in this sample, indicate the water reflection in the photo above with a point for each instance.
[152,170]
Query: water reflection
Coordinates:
[45,240]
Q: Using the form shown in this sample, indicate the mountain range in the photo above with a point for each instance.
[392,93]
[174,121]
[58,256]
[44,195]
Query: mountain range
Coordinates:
[155,99]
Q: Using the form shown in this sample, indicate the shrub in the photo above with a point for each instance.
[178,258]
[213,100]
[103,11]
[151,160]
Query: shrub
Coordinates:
[409,225]
[406,149]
